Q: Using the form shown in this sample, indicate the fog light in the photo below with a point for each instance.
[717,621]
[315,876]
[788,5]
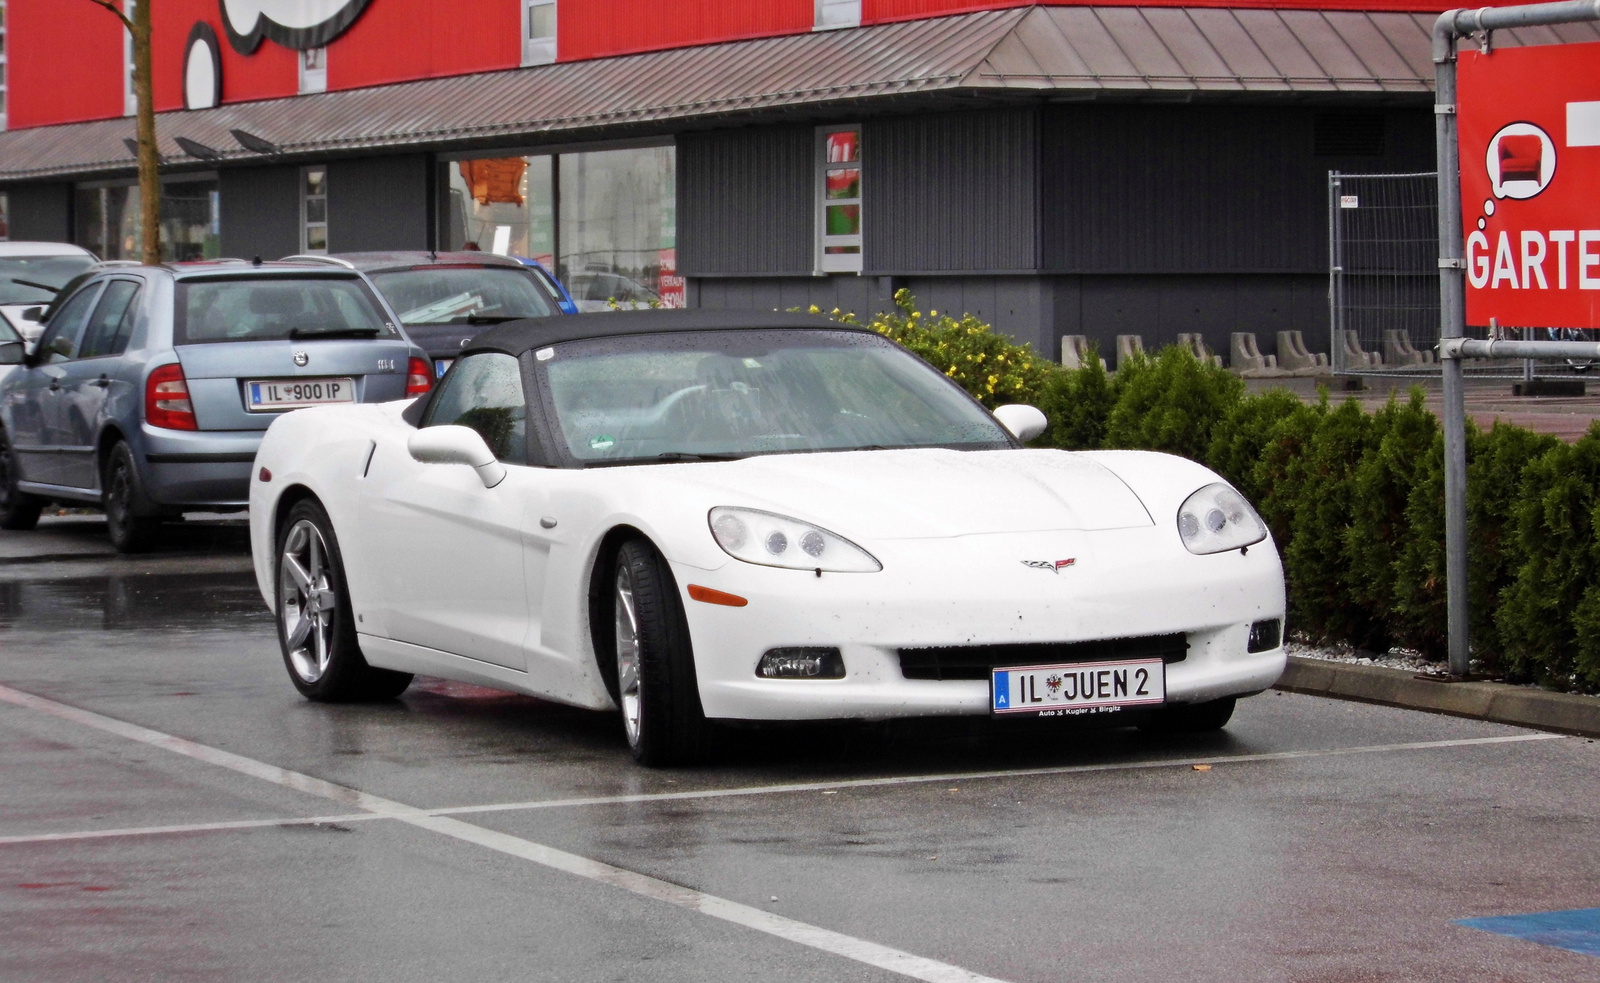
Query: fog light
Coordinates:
[801,663]
[1265,636]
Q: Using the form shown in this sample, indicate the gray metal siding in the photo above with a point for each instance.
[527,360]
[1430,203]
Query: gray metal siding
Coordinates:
[1190,189]
[745,201]
[861,295]
[953,192]
[377,203]
[40,212]
[260,211]
[1159,307]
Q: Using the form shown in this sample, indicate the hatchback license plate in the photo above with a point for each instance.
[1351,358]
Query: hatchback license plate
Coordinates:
[1077,689]
[289,394]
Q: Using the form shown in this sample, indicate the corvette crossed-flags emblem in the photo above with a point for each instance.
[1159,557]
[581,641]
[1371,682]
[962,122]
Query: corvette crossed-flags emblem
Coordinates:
[1054,566]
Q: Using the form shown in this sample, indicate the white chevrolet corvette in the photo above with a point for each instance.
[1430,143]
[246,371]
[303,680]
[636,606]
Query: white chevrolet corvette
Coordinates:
[694,516]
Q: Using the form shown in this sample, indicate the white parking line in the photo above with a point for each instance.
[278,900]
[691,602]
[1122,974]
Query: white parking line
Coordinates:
[969,776]
[230,824]
[718,793]
[825,940]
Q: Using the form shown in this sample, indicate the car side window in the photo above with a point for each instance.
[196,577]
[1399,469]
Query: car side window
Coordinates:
[61,337]
[484,392]
[112,321]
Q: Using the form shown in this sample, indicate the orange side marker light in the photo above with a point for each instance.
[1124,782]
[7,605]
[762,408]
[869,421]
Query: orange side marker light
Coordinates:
[710,596]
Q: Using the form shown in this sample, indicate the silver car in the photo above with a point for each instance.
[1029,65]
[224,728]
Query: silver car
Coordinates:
[150,388]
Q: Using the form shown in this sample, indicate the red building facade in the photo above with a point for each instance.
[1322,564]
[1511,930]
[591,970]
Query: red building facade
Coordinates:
[67,57]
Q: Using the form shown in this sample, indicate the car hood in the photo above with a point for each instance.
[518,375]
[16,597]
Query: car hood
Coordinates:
[923,493]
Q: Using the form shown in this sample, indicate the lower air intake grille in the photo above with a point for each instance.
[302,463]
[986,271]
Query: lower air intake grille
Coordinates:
[975,661]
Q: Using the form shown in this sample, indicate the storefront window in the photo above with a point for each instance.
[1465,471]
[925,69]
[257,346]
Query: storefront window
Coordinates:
[619,228]
[314,210]
[839,200]
[191,226]
[502,205]
[5,217]
[605,222]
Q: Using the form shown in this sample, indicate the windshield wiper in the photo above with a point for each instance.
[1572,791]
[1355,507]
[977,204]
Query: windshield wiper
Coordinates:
[492,318]
[335,333]
[36,285]
[686,456]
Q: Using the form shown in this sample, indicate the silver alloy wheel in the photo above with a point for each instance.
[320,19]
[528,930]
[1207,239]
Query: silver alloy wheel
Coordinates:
[306,600]
[627,654]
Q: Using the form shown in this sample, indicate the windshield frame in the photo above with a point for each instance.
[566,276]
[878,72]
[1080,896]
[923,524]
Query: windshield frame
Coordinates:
[536,286]
[554,437]
[180,307]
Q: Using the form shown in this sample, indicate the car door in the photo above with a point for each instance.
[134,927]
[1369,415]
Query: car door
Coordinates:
[35,398]
[449,554]
[87,379]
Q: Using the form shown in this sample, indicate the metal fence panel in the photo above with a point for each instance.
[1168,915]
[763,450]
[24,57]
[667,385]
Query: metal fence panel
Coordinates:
[1383,280]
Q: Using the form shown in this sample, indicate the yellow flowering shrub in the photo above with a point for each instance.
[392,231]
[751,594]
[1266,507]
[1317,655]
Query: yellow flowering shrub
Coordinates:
[982,362]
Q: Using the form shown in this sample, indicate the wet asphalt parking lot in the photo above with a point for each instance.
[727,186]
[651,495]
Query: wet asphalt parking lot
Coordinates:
[170,809]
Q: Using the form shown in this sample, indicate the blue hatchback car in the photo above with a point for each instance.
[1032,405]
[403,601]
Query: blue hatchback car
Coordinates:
[151,386]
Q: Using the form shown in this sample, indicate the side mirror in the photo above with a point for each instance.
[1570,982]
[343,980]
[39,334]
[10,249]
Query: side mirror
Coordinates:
[456,445]
[1024,421]
[12,352]
[34,314]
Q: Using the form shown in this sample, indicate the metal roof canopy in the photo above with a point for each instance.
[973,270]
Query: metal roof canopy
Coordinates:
[1025,52]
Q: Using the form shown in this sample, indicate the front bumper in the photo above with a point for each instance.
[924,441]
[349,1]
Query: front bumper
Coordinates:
[194,468]
[976,590]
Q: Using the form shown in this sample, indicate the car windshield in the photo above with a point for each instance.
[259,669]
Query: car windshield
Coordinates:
[463,294]
[278,307]
[8,333]
[715,394]
[37,279]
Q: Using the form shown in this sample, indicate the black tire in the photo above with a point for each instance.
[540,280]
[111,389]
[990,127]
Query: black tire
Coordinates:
[672,726]
[1191,718]
[326,663]
[128,520]
[18,509]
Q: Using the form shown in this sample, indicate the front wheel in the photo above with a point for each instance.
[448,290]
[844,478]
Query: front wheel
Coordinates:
[316,629]
[123,498]
[1191,718]
[18,509]
[657,689]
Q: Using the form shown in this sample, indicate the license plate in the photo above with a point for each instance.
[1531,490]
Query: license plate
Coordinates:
[1077,689]
[289,394]
[441,366]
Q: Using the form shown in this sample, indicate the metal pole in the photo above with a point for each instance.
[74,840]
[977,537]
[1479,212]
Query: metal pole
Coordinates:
[1452,325]
[1335,305]
[1452,292]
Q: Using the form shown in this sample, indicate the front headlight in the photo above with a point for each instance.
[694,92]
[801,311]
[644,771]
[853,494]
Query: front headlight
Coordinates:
[779,541]
[1216,519]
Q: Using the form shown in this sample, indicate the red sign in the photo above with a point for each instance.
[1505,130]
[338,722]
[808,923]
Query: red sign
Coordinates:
[1530,164]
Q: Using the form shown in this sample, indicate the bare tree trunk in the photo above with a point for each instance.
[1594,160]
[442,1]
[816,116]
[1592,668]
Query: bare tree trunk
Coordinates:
[149,159]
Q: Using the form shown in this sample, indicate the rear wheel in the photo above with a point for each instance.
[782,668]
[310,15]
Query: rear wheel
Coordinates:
[316,629]
[1191,718]
[18,509]
[656,685]
[122,497]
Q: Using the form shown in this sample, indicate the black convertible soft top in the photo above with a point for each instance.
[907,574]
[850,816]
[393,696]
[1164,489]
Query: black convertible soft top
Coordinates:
[516,337]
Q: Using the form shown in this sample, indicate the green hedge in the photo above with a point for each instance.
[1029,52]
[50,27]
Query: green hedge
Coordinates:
[1355,500]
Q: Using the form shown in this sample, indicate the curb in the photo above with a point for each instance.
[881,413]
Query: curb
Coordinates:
[1501,703]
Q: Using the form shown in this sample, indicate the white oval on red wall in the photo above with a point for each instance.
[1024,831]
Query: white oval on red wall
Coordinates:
[202,69]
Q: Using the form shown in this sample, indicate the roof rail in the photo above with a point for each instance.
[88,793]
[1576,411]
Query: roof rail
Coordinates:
[308,258]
